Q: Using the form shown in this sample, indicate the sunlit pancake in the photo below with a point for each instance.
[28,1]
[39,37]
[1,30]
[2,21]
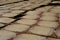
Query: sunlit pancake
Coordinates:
[35,12]
[44,9]
[6,20]
[41,2]
[49,14]
[48,24]
[49,18]
[30,17]
[29,37]
[17,27]
[40,30]
[5,35]
[27,21]
[15,13]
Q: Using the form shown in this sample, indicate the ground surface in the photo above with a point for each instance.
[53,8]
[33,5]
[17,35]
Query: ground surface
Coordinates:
[26,20]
